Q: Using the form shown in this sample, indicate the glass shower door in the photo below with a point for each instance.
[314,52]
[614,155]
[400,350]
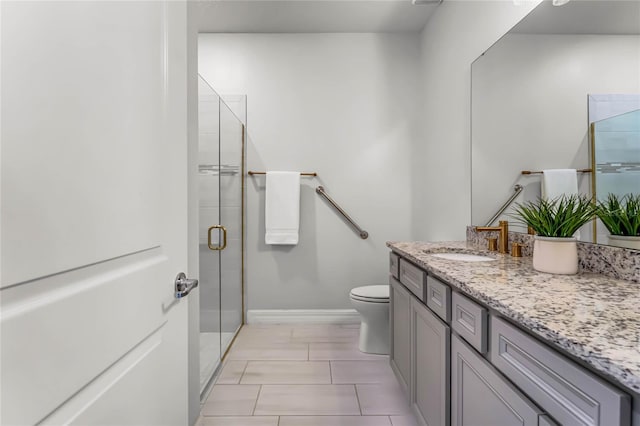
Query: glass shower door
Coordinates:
[208,215]
[231,207]
[221,206]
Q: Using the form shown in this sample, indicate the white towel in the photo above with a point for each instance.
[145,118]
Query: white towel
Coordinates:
[282,208]
[558,182]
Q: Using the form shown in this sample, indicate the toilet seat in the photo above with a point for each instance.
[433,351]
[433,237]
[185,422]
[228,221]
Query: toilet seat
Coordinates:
[371,294]
[369,300]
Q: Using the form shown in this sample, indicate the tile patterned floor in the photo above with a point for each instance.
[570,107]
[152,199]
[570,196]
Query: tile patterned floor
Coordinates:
[304,375]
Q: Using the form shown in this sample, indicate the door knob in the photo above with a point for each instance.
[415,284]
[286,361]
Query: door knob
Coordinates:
[184,285]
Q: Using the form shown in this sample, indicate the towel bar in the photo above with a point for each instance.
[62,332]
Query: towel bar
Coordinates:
[264,173]
[539,172]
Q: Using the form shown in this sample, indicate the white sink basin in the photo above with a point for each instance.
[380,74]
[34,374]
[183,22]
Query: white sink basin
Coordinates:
[463,257]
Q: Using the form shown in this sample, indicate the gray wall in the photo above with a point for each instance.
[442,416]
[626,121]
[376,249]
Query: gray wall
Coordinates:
[383,119]
[344,106]
[456,34]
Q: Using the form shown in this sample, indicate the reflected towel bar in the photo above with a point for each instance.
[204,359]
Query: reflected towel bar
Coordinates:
[251,173]
[529,172]
[363,234]
[517,189]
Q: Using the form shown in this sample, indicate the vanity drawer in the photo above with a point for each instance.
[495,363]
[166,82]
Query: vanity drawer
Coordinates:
[394,261]
[568,392]
[439,298]
[469,320]
[413,278]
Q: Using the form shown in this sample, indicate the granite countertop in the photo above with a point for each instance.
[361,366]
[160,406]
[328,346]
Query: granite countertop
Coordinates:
[590,316]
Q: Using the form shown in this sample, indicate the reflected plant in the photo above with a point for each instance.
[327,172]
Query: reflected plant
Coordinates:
[621,215]
[560,217]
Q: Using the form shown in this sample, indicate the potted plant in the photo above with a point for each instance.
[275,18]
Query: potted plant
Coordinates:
[621,217]
[555,223]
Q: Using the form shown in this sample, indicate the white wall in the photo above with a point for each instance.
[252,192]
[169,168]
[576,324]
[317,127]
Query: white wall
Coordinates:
[530,107]
[346,107]
[456,34]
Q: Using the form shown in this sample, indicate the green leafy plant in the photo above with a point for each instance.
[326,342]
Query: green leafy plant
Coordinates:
[621,215]
[560,217]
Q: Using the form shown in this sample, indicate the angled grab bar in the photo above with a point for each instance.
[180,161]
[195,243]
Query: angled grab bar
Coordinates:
[363,234]
[516,191]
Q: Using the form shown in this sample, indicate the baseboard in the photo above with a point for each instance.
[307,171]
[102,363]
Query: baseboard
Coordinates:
[303,316]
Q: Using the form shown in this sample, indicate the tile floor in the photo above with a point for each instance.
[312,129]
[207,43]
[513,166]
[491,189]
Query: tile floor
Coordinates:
[304,375]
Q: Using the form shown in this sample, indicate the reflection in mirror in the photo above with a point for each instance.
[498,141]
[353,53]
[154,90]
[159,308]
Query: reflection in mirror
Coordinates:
[529,98]
[615,139]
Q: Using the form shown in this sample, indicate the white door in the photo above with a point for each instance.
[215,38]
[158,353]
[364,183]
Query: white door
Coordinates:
[94,212]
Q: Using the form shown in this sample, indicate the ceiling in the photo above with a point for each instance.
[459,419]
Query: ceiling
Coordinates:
[583,17]
[311,16]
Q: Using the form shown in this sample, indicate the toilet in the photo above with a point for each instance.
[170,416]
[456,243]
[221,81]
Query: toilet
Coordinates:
[372,303]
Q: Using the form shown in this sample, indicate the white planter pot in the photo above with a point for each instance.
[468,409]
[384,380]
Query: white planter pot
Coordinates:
[555,255]
[624,241]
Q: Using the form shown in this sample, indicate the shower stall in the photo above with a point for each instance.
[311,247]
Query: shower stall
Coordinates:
[221,162]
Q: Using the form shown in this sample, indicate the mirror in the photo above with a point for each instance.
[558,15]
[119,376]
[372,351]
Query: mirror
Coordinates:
[530,94]
[614,128]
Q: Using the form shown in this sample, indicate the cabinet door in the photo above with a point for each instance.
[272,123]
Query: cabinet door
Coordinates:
[480,396]
[430,362]
[400,311]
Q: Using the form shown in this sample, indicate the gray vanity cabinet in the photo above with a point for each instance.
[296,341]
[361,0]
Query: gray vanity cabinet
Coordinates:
[480,396]
[400,317]
[462,365]
[430,358]
[569,393]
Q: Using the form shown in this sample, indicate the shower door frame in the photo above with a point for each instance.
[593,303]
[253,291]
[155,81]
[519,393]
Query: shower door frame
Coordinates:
[203,391]
[243,182]
[242,247]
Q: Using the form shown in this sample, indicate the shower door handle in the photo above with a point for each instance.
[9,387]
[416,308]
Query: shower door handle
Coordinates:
[224,237]
[184,285]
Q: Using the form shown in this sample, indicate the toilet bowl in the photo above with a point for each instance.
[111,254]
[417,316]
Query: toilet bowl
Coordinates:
[372,303]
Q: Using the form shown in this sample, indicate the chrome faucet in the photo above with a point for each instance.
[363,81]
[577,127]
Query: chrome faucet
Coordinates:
[503,240]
